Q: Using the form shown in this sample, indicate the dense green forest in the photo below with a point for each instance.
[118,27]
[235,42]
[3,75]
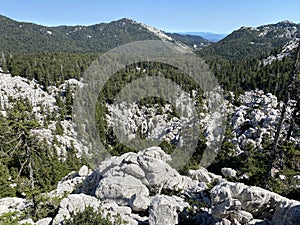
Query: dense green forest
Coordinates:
[47,68]
[244,75]
[233,75]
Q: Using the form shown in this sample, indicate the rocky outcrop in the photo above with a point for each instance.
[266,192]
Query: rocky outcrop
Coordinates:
[142,188]
[75,203]
[143,169]
[134,181]
[255,120]
[240,204]
[285,51]
[156,122]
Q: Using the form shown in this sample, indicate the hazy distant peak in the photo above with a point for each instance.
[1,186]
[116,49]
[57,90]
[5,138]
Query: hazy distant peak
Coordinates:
[213,37]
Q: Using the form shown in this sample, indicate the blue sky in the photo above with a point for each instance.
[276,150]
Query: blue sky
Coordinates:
[219,16]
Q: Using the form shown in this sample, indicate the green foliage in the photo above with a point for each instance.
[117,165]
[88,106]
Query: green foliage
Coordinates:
[90,216]
[45,207]
[59,128]
[26,160]
[6,189]
[10,218]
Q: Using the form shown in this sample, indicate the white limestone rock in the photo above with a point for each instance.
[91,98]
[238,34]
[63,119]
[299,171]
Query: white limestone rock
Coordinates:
[83,171]
[223,222]
[44,221]
[164,210]
[256,119]
[139,202]
[242,203]
[203,175]
[120,189]
[113,211]
[228,172]
[12,204]
[146,166]
[72,182]
[27,221]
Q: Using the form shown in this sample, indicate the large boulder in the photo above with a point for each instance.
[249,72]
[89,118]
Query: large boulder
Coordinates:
[139,203]
[120,189]
[164,210]
[171,179]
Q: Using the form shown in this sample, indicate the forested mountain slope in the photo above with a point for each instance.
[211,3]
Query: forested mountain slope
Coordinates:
[252,42]
[20,37]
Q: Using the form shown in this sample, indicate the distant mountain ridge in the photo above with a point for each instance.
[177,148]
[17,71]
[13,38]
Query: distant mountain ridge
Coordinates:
[246,42]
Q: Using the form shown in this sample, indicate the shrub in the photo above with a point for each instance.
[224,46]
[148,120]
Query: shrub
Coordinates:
[90,216]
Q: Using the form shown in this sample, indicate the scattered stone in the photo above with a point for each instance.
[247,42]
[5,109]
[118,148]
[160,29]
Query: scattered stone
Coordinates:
[83,171]
[228,172]
[201,175]
[45,221]
[27,221]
